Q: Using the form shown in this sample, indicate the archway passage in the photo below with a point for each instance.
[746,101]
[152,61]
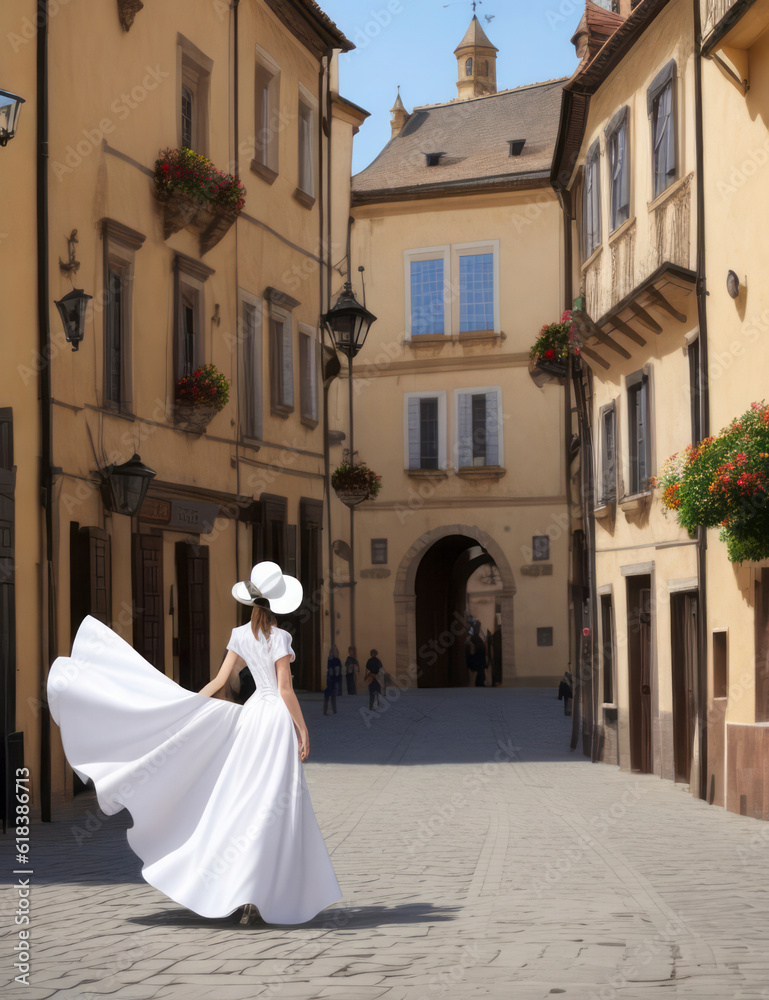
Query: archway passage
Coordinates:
[441,608]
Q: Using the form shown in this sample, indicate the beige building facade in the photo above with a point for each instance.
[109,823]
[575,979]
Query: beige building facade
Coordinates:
[655,122]
[459,235]
[251,86]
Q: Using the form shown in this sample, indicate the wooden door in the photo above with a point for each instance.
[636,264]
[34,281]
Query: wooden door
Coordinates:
[640,673]
[147,575]
[683,614]
[192,584]
[90,569]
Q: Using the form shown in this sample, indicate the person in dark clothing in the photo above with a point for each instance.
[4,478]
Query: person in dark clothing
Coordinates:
[479,659]
[351,668]
[333,679]
[373,667]
[566,692]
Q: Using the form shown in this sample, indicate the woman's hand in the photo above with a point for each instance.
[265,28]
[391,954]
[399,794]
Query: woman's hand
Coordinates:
[304,743]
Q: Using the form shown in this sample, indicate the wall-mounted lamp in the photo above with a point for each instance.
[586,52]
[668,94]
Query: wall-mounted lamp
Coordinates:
[72,311]
[10,108]
[124,487]
[733,284]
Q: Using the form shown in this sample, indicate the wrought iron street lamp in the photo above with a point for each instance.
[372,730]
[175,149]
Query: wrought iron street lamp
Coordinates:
[10,108]
[123,487]
[72,310]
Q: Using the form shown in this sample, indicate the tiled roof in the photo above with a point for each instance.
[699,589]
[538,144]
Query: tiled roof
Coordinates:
[474,135]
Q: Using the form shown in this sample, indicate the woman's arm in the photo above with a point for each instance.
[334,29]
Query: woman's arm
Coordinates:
[221,678]
[286,688]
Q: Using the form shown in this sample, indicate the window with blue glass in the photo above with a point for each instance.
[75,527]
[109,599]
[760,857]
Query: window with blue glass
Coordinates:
[476,292]
[427,297]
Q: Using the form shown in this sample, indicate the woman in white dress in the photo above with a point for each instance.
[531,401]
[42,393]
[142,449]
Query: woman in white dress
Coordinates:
[222,815]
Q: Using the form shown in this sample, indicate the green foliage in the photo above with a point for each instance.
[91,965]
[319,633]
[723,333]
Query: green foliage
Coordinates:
[348,477]
[723,481]
[556,341]
[207,386]
[190,173]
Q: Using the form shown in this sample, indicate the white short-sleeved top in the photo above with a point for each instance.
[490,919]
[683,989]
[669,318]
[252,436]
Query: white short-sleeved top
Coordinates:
[262,655]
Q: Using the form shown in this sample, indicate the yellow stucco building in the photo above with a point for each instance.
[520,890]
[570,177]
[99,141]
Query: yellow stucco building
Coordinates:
[173,287]
[460,237]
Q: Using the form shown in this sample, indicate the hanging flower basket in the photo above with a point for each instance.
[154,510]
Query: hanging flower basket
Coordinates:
[724,482]
[196,196]
[199,397]
[355,483]
[550,352]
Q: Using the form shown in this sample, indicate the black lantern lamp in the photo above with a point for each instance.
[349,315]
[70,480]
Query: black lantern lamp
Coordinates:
[348,322]
[123,487]
[10,108]
[72,311]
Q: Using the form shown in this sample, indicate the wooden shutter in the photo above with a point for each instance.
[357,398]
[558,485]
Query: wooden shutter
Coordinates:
[287,374]
[464,429]
[413,432]
[308,666]
[147,574]
[492,428]
[251,403]
[192,580]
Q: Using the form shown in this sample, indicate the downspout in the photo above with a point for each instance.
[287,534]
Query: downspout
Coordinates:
[48,637]
[325,221]
[704,411]
[236,172]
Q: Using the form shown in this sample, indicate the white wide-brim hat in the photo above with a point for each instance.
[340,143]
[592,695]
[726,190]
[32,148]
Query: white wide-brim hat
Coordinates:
[284,593]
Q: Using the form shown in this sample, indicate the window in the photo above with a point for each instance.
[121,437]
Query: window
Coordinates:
[619,168]
[267,116]
[662,115]
[425,430]
[281,352]
[306,151]
[607,647]
[426,284]
[452,290]
[607,486]
[119,246]
[479,427]
[476,292]
[469,67]
[695,389]
[189,278]
[251,366]
[540,548]
[591,200]
[545,636]
[194,84]
[639,442]
[308,375]
[379,551]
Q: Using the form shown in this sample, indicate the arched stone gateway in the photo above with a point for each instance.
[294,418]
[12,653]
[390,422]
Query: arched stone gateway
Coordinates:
[426,631]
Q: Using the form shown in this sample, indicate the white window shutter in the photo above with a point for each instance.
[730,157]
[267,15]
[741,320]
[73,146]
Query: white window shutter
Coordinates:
[464,430]
[492,428]
[413,432]
[288,366]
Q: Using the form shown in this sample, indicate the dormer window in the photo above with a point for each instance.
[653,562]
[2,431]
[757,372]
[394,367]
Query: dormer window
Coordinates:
[433,159]
[516,146]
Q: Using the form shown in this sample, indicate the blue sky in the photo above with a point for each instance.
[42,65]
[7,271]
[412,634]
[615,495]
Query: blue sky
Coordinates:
[412,42]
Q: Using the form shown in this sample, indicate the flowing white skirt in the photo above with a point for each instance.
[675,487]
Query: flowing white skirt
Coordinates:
[221,811]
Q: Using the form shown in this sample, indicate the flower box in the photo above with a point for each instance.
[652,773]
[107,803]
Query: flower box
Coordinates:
[199,397]
[355,483]
[192,418]
[549,354]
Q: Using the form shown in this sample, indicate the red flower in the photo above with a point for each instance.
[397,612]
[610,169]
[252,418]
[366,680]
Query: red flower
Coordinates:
[550,354]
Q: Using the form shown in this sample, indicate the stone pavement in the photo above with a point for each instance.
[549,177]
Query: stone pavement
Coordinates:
[478,857]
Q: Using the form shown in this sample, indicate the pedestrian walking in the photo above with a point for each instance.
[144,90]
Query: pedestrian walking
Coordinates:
[373,667]
[566,692]
[222,818]
[351,669]
[333,680]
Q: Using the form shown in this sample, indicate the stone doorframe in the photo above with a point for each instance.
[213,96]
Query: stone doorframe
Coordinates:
[405,597]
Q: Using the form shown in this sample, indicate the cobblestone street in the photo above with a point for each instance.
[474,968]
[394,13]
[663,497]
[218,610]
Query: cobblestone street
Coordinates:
[478,857]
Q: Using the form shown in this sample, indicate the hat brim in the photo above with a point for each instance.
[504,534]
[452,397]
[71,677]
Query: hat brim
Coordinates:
[289,600]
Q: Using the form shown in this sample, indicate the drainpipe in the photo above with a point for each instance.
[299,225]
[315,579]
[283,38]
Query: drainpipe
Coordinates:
[48,644]
[325,222]
[236,172]
[704,411]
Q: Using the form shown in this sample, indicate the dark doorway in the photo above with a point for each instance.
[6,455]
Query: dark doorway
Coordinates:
[683,635]
[441,610]
[194,626]
[147,575]
[761,613]
[640,670]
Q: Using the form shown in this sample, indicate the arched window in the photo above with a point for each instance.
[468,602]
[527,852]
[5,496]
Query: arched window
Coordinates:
[469,67]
